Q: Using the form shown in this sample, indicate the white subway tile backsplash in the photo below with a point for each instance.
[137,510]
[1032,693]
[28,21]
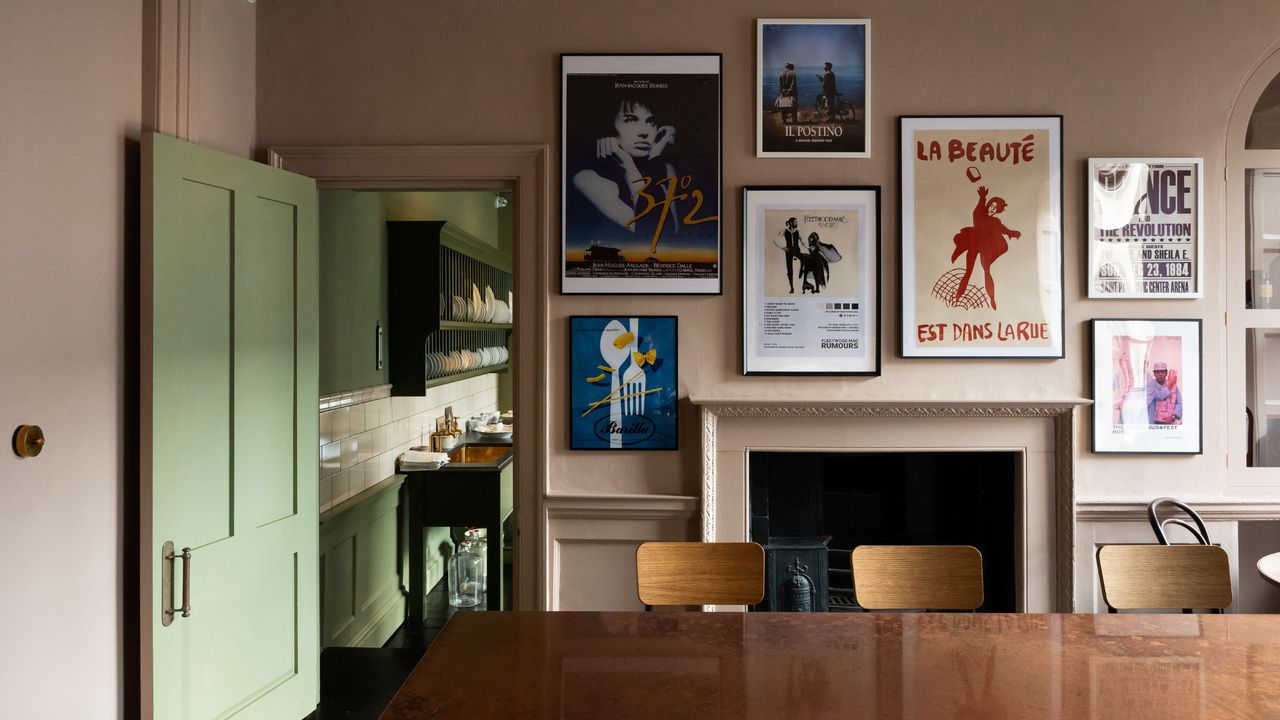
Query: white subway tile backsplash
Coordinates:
[330,460]
[361,437]
[364,449]
[373,474]
[349,452]
[326,428]
[341,486]
[356,419]
[326,492]
[341,423]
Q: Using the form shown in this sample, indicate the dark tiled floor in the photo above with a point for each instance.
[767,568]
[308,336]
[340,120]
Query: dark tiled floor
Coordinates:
[357,683]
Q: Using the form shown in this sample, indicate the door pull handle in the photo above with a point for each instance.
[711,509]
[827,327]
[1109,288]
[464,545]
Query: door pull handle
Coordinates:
[166,582]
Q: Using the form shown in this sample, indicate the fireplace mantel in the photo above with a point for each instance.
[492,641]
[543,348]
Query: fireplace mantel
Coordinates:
[1060,411]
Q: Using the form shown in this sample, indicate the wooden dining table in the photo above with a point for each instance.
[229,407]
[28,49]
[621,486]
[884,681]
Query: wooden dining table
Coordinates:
[773,666]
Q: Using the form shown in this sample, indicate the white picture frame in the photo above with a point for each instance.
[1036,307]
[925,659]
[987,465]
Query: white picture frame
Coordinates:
[1148,391]
[1140,246]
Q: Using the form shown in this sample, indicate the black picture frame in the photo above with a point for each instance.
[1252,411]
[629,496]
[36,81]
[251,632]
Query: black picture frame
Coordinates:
[641,204]
[608,353]
[824,318]
[1128,419]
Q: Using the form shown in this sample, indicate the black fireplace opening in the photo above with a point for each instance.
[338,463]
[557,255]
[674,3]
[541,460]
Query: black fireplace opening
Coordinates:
[811,509]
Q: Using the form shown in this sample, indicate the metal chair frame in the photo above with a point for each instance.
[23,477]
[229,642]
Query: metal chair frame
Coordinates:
[1199,531]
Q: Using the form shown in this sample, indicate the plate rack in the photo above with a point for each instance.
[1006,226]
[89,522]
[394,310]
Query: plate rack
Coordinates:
[429,263]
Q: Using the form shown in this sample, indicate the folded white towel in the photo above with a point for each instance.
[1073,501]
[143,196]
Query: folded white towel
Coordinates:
[418,457]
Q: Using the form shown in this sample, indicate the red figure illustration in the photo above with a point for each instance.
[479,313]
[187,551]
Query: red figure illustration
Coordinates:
[984,241]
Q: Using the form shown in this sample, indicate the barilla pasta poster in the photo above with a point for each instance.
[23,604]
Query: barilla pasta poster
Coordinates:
[981,236]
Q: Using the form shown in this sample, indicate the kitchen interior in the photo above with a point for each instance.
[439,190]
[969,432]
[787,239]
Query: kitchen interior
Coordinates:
[416,427]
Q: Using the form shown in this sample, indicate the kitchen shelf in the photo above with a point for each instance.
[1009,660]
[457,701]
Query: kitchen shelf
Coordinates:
[428,263]
[458,325]
[454,377]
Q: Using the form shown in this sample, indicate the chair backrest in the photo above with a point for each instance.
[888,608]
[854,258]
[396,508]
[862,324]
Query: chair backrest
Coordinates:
[1162,577]
[700,573]
[923,577]
[1199,532]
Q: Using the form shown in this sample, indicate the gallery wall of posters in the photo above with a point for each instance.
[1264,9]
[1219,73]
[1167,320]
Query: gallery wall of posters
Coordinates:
[811,88]
[1147,389]
[1145,227]
[623,382]
[641,165]
[811,280]
[981,228]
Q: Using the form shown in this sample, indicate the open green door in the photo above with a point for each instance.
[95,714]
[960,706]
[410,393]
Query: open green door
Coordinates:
[229,453]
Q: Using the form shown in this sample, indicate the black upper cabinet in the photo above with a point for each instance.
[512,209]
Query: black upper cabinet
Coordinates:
[438,331]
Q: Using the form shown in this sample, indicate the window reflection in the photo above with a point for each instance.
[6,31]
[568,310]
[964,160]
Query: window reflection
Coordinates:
[1262,237]
[1264,123]
[1262,385]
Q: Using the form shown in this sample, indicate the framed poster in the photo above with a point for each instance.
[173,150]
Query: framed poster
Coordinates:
[981,227]
[623,382]
[1145,226]
[640,167]
[1147,390]
[812,88]
[811,280]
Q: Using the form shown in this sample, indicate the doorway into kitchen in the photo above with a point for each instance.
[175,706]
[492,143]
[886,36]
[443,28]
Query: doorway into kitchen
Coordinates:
[479,216]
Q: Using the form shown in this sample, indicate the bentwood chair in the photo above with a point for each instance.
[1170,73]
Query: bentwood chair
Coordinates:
[699,573]
[917,577]
[1164,577]
[1198,531]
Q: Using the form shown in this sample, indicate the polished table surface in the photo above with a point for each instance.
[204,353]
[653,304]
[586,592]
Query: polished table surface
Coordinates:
[770,666]
[1269,568]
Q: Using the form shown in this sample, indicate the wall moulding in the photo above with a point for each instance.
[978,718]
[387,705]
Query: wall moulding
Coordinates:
[1060,413]
[1210,509]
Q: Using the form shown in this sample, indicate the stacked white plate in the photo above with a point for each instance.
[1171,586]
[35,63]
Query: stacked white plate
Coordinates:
[442,363]
[490,304]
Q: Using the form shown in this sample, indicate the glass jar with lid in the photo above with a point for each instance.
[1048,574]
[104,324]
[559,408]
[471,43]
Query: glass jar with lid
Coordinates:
[478,537]
[466,577]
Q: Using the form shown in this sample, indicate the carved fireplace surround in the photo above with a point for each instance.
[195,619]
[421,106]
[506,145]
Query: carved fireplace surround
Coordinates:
[1041,430]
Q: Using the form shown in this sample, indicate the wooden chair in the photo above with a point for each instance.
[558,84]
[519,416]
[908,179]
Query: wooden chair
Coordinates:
[920,577]
[699,573]
[1152,577]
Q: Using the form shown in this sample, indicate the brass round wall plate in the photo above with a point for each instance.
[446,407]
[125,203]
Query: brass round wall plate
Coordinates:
[28,440]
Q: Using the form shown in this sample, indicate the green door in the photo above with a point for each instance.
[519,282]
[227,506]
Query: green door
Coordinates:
[229,426]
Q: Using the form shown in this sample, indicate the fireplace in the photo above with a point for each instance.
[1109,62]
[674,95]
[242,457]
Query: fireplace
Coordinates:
[1039,434]
[810,509]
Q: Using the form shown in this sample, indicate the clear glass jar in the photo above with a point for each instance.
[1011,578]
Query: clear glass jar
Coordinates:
[466,577]
[478,537]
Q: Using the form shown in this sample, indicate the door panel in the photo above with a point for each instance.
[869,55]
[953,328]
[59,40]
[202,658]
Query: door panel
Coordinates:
[226,631]
[229,425]
[264,360]
[192,329]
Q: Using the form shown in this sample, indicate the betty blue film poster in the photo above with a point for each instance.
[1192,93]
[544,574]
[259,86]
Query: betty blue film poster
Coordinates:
[641,174]
[623,382]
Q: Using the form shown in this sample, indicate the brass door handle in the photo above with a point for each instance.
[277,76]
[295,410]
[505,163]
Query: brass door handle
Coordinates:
[166,582]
